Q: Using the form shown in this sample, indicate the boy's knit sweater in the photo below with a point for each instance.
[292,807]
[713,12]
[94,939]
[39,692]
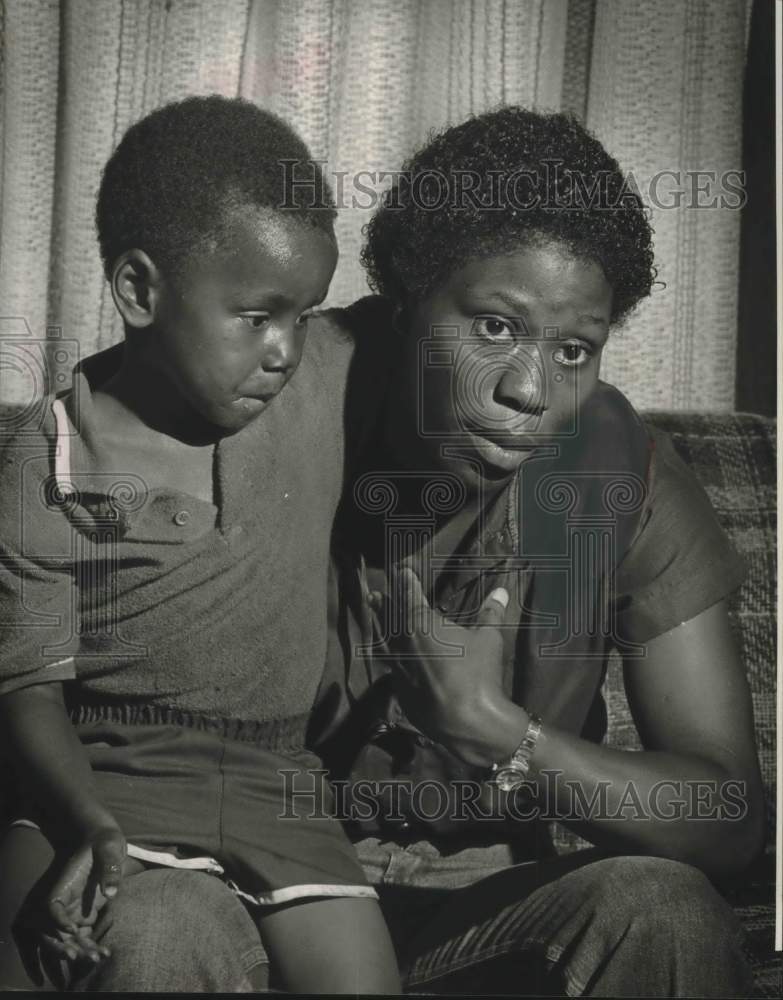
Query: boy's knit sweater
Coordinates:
[158,606]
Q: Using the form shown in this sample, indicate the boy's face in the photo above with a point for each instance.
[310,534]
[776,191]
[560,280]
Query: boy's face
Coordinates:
[230,329]
[499,358]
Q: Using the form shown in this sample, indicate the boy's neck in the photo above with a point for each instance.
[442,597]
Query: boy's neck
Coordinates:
[148,395]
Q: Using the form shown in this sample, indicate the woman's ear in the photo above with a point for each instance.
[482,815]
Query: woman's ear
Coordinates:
[135,288]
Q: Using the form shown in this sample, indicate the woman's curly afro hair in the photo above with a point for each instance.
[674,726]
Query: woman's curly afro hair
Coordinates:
[501,180]
[168,185]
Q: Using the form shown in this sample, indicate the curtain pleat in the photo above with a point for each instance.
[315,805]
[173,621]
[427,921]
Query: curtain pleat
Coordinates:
[120,61]
[364,81]
[578,50]
[27,171]
[666,94]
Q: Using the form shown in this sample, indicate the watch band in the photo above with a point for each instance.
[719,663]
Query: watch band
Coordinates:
[514,772]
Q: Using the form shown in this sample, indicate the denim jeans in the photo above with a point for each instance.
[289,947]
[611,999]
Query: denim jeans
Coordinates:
[468,920]
[463,921]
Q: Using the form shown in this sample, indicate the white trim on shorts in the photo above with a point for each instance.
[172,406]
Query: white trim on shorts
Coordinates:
[313,890]
[206,864]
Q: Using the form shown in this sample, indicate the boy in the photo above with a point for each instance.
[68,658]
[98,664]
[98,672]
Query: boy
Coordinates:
[193,541]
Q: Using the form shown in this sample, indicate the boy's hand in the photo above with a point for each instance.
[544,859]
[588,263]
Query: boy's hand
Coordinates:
[90,878]
[69,914]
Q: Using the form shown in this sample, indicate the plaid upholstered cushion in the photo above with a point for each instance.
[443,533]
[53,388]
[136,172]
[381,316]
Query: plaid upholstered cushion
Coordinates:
[733,455]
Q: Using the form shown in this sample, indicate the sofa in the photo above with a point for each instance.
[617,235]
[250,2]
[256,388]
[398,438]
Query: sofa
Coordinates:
[734,457]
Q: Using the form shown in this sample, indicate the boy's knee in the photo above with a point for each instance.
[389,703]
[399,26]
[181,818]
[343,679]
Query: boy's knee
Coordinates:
[177,930]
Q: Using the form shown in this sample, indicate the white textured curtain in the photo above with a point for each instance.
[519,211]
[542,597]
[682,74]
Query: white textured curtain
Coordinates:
[666,94]
[364,81]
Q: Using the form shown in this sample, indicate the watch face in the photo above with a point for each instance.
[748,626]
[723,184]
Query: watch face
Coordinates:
[509,778]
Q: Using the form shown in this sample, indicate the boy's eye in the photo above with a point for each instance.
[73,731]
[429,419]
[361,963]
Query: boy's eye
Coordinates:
[572,354]
[256,320]
[302,320]
[493,328]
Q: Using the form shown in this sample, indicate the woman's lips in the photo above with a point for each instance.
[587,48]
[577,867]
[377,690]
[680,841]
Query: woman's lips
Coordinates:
[507,455]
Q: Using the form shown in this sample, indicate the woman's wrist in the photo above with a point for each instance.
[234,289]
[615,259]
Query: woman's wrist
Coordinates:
[489,731]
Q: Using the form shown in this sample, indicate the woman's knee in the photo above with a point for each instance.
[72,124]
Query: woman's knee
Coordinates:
[669,904]
[650,924]
[656,889]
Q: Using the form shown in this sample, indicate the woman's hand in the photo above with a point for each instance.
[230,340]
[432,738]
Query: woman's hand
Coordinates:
[449,678]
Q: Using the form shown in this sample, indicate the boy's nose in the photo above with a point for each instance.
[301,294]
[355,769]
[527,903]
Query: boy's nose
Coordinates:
[282,351]
[522,388]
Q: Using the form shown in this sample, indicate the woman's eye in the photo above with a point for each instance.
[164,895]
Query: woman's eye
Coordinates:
[572,355]
[302,320]
[493,328]
[256,320]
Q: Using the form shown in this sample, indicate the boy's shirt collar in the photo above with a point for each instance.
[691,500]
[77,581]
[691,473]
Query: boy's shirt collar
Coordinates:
[164,515]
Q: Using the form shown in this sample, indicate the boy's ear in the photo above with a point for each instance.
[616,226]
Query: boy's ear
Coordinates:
[136,288]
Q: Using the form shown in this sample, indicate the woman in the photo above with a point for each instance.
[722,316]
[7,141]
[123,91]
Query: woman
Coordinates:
[499,465]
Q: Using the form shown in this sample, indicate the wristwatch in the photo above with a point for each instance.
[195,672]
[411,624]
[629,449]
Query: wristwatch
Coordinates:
[513,773]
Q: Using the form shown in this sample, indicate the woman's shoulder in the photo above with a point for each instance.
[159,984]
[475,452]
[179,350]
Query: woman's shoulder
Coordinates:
[367,318]
[357,336]
[681,560]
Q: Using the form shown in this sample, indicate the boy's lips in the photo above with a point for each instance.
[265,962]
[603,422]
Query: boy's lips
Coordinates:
[261,397]
[263,391]
[253,403]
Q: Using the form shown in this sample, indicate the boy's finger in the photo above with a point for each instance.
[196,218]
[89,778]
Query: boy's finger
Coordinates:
[493,610]
[81,942]
[73,947]
[108,855]
[88,946]
[102,925]
[60,914]
[62,947]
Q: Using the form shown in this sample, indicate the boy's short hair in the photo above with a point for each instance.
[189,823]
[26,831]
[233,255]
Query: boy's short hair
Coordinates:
[167,186]
[499,180]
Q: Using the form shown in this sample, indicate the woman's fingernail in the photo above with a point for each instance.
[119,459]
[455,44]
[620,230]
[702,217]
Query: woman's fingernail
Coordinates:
[501,596]
[110,891]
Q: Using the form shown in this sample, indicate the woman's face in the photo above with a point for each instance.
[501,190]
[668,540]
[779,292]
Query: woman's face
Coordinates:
[498,360]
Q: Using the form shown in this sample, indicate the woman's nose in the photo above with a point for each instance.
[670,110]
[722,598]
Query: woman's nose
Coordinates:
[522,387]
